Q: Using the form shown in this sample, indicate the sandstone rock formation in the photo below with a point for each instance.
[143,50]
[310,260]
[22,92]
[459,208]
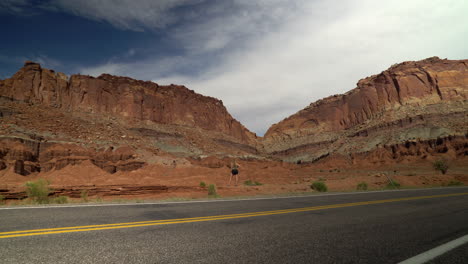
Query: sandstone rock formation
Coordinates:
[49,121]
[412,111]
[26,156]
[122,97]
[113,136]
[418,100]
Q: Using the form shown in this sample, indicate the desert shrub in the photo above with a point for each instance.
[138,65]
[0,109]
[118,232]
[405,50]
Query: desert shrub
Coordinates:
[202,184]
[455,183]
[362,186]
[84,195]
[38,191]
[395,185]
[441,165]
[212,190]
[319,186]
[2,199]
[61,200]
[252,183]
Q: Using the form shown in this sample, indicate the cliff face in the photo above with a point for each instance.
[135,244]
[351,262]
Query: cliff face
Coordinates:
[26,156]
[123,97]
[49,121]
[412,100]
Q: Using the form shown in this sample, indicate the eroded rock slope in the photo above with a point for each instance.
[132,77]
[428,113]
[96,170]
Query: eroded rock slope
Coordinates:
[49,121]
[123,97]
[412,111]
[415,101]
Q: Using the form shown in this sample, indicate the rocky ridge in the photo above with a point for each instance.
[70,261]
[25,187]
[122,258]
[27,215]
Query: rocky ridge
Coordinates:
[49,121]
[412,111]
[122,97]
[411,101]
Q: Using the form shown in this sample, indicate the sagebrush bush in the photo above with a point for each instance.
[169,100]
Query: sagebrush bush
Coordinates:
[212,190]
[362,186]
[202,184]
[395,185]
[455,183]
[319,186]
[441,165]
[61,200]
[252,183]
[2,199]
[38,191]
[84,195]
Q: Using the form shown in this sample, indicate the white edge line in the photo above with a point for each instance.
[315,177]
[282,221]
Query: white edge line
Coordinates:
[224,200]
[437,251]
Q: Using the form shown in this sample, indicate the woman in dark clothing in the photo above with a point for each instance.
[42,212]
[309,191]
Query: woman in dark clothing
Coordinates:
[234,172]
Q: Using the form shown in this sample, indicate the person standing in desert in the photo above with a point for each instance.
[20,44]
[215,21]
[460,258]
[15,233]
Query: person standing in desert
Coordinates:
[234,172]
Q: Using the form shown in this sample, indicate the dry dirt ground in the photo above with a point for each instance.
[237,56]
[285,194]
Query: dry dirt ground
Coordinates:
[156,182]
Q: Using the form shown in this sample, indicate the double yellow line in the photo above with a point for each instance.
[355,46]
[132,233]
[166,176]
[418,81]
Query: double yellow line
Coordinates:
[60,230]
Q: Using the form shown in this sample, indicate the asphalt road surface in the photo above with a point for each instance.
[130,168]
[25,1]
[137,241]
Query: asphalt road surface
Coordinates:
[371,227]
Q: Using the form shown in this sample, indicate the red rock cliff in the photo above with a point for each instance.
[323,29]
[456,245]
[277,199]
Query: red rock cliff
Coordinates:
[123,97]
[417,88]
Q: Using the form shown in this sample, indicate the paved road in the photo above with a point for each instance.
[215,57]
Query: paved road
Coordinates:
[337,228]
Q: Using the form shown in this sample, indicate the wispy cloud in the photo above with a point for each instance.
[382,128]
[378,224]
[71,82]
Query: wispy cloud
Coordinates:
[17,61]
[16,7]
[125,14]
[268,59]
[45,61]
[325,51]
[142,69]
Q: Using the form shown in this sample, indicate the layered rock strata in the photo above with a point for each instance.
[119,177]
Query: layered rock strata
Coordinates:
[123,97]
[49,121]
[26,156]
[416,100]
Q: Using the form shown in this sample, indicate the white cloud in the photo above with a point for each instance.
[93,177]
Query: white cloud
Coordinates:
[125,14]
[231,24]
[46,61]
[110,68]
[143,70]
[275,58]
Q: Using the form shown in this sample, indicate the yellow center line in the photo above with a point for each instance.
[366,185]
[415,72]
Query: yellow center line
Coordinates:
[46,231]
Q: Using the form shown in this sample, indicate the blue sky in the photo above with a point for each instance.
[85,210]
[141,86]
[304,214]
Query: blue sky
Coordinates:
[266,59]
